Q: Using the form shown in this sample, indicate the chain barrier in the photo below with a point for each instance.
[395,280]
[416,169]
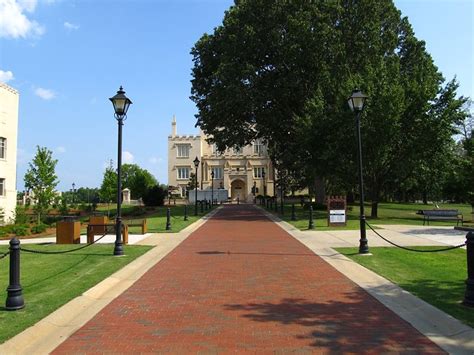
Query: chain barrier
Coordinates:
[4,255]
[64,251]
[416,250]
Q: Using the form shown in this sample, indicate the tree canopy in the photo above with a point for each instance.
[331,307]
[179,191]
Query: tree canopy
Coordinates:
[282,71]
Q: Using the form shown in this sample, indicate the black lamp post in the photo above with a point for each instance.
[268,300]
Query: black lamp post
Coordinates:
[212,187]
[121,104]
[264,186]
[73,191]
[196,165]
[356,102]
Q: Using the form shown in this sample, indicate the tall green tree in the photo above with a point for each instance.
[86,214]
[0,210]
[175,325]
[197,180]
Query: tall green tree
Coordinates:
[282,71]
[41,179]
[138,180]
[108,188]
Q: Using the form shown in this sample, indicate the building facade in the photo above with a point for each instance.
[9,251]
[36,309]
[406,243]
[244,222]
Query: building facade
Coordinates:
[244,172]
[9,100]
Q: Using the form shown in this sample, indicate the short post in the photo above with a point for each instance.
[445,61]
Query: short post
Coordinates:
[185,212]
[311,223]
[202,206]
[469,294]
[293,215]
[276,204]
[267,202]
[238,200]
[168,219]
[14,291]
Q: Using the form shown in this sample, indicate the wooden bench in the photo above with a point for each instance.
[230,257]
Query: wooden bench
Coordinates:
[137,223]
[441,215]
[101,229]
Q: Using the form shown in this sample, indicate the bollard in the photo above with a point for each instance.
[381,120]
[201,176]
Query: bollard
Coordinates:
[238,200]
[469,294]
[293,215]
[168,219]
[281,207]
[185,212]
[311,223]
[14,291]
[267,202]
[276,205]
[202,206]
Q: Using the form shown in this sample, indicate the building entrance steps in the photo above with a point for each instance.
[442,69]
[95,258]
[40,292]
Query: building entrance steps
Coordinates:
[241,283]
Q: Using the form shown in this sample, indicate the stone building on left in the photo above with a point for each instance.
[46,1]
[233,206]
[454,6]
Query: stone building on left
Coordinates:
[9,101]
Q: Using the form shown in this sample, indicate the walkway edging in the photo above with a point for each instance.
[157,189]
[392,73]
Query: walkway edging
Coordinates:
[441,328]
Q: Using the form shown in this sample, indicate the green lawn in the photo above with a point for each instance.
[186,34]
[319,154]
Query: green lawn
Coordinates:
[388,213]
[49,281]
[437,278]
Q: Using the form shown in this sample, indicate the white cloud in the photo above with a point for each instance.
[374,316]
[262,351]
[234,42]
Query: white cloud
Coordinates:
[6,76]
[60,149]
[128,157]
[70,26]
[45,94]
[155,160]
[14,22]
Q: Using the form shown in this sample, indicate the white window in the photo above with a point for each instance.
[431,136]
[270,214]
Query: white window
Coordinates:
[238,151]
[258,147]
[3,148]
[182,150]
[218,172]
[2,187]
[258,172]
[183,173]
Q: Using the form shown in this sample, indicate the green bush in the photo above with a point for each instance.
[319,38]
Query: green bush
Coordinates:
[20,215]
[3,232]
[20,229]
[39,228]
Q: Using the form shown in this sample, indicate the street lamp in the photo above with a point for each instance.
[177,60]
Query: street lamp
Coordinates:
[121,104]
[254,190]
[212,187]
[73,191]
[356,102]
[196,165]
[264,186]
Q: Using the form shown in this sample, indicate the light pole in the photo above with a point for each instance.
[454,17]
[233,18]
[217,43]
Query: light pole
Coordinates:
[196,165]
[212,187]
[264,186]
[73,191]
[356,102]
[121,104]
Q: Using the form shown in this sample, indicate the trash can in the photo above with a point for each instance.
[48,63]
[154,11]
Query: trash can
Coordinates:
[68,231]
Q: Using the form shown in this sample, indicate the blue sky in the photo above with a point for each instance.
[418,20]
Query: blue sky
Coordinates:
[68,57]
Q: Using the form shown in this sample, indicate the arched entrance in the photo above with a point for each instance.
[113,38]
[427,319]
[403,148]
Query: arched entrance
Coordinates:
[237,189]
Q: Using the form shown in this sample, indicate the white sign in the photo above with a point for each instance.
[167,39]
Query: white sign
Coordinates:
[337,216]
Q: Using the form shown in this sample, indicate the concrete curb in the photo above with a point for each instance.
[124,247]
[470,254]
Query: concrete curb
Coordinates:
[441,328]
[44,336]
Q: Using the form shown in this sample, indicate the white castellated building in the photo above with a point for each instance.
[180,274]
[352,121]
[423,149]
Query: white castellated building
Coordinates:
[9,100]
[239,171]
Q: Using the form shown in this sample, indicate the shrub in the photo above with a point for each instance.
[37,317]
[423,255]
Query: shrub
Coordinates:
[20,215]
[154,196]
[3,233]
[39,228]
[20,229]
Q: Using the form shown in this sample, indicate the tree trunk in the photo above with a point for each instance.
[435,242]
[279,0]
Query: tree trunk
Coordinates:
[375,201]
[320,190]
[425,198]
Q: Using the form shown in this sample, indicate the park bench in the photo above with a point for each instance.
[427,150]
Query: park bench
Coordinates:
[137,223]
[103,228]
[441,215]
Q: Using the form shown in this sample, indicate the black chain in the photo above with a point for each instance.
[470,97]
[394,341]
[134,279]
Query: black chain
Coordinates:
[417,250]
[4,255]
[63,251]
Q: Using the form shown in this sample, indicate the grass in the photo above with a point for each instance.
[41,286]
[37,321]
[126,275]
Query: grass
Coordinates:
[388,213]
[437,278]
[50,281]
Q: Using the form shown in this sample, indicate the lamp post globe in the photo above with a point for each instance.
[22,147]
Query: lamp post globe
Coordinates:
[196,166]
[121,104]
[356,103]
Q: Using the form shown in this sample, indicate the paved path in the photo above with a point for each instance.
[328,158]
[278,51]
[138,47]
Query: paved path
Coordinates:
[241,283]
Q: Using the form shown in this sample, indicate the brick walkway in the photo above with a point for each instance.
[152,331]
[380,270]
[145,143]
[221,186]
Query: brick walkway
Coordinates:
[241,283]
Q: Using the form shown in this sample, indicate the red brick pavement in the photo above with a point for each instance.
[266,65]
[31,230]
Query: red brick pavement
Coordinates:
[242,284]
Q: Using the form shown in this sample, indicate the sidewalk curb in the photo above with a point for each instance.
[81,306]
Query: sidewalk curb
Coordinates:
[48,333]
[444,330]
